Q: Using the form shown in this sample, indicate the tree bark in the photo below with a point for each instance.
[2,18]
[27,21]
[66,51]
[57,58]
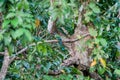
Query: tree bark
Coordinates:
[5,65]
[79,50]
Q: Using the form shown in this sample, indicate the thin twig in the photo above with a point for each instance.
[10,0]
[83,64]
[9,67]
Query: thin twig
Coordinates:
[47,41]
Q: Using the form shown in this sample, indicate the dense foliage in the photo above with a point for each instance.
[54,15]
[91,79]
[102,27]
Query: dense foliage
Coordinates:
[25,22]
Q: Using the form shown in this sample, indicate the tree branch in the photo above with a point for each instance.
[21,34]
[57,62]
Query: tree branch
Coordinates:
[5,65]
[47,41]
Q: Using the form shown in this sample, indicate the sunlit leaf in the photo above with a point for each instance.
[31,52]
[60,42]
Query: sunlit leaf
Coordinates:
[5,24]
[7,40]
[14,22]
[117,71]
[26,4]
[62,71]
[101,70]
[30,57]
[20,20]
[92,32]
[93,63]
[19,32]
[103,62]
[103,42]
[28,34]
[10,15]
[94,7]
[37,22]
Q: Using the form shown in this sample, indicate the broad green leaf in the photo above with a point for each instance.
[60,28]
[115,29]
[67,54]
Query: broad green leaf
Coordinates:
[61,19]
[14,22]
[94,7]
[1,2]
[30,57]
[101,70]
[11,48]
[95,51]
[88,13]
[92,32]
[10,15]
[75,71]
[96,10]
[7,40]
[5,24]
[118,54]
[45,51]
[26,4]
[92,69]
[117,72]
[27,26]
[87,16]
[103,42]
[19,5]
[97,40]
[87,19]
[19,32]
[28,34]
[20,20]
[21,14]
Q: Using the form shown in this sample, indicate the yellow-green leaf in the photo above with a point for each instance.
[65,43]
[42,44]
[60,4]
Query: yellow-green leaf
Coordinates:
[103,62]
[92,32]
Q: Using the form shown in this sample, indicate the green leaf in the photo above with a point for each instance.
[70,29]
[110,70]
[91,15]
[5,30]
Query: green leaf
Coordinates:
[10,15]
[14,22]
[1,2]
[118,54]
[28,34]
[96,10]
[26,65]
[101,70]
[75,71]
[97,40]
[88,13]
[1,5]
[92,69]
[87,19]
[5,24]
[26,4]
[7,40]
[30,57]
[11,48]
[19,32]
[19,5]
[20,20]
[117,72]
[103,42]
[92,32]
[27,26]
[1,36]
[94,7]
